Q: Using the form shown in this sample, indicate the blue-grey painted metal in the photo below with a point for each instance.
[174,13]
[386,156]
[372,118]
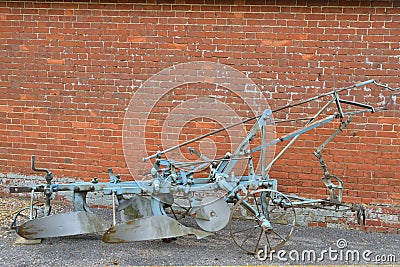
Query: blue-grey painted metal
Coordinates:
[255,196]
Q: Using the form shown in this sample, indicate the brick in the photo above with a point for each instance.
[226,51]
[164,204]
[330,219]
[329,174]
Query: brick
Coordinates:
[55,61]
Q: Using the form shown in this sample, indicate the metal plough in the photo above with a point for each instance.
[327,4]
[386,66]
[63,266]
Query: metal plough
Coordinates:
[257,214]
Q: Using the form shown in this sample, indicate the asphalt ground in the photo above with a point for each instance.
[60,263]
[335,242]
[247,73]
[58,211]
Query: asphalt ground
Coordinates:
[307,246]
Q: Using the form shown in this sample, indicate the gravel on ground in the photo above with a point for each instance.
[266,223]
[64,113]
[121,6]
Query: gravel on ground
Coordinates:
[308,245]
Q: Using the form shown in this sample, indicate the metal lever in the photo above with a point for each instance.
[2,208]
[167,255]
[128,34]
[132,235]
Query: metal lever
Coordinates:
[48,191]
[37,169]
[49,174]
[113,178]
[361,213]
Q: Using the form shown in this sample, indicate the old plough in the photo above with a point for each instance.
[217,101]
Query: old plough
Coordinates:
[257,215]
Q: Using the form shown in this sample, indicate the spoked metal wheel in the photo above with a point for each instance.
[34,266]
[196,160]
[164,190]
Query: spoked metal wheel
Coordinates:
[24,215]
[262,220]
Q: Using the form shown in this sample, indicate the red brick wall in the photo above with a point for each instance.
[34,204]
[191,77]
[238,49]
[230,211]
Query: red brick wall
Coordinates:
[68,71]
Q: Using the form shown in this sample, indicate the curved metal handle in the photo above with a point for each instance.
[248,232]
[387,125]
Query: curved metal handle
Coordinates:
[36,169]
[49,174]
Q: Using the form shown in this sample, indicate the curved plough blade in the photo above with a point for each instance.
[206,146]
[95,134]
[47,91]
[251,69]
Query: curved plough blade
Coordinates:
[150,228]
[65,224]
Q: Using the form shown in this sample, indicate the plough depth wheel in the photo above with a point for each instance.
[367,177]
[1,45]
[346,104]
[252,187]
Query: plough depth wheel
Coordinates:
[262,220]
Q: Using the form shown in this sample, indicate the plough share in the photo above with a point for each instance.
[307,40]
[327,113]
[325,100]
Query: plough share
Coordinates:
[258,216]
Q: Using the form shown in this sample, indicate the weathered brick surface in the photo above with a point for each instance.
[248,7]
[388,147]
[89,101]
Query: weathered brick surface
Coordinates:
[69,69]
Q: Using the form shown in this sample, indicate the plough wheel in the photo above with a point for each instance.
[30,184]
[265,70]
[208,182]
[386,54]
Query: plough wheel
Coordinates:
[262,220]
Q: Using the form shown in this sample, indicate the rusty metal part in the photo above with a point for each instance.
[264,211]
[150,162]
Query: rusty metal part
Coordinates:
[361,213]
[20,189]
[48,192]
[64,224]
[150,228]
